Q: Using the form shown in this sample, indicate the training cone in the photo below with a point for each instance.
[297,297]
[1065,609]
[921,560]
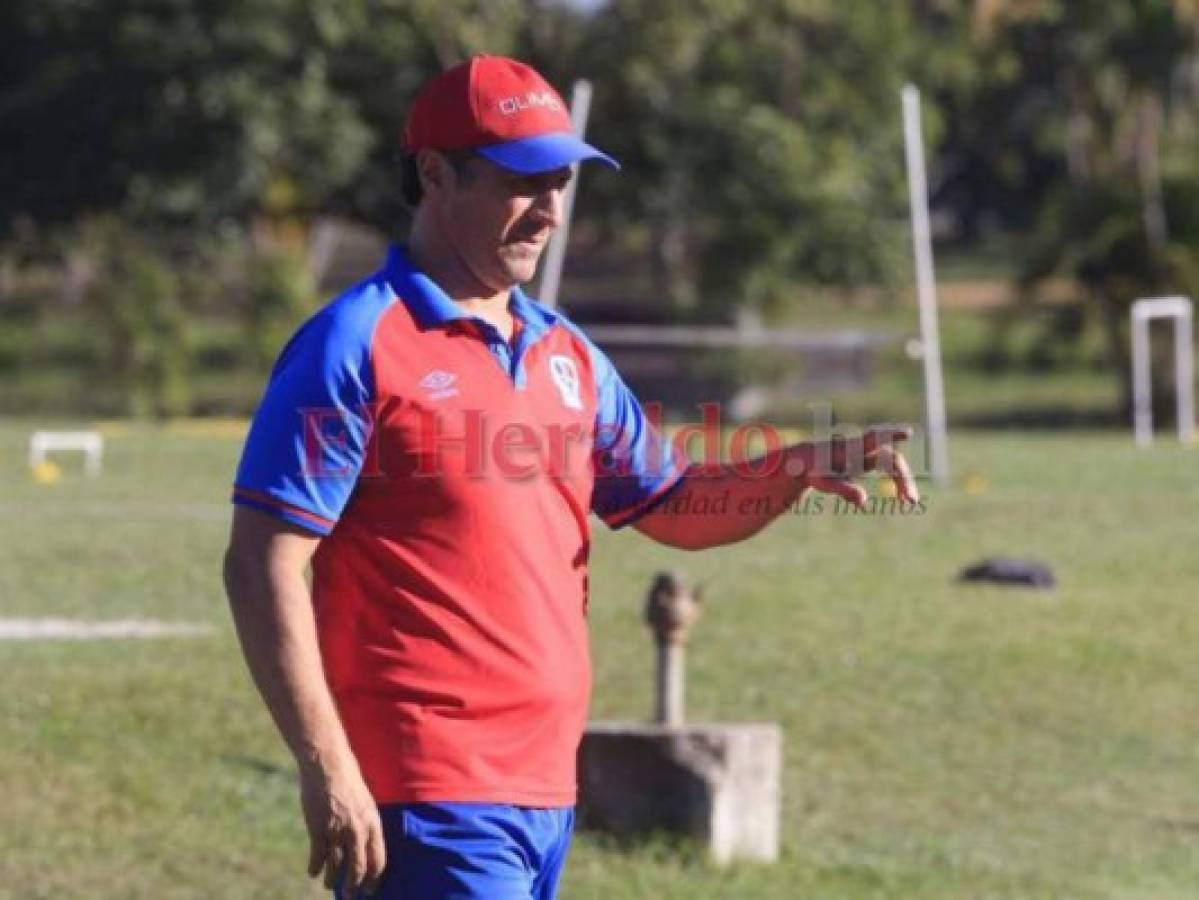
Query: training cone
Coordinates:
[975,483]
[46,473]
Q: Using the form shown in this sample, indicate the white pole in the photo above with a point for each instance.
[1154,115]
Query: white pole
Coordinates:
[1144,311]
[1142,387]
[1184,374]
[926,287]
[555,255]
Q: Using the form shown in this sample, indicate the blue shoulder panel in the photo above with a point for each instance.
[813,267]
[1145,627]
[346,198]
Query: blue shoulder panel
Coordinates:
[309,436]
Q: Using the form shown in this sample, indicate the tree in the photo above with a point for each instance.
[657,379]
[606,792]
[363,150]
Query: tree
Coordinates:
[1121,114]
[761,141]
[180,112]
[136,299]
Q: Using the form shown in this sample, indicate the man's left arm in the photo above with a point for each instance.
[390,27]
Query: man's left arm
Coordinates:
[724,503]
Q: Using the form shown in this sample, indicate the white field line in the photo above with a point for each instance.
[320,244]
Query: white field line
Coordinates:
[81,630]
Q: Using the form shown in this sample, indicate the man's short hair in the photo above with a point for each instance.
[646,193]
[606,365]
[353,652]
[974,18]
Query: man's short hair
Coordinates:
[410,176]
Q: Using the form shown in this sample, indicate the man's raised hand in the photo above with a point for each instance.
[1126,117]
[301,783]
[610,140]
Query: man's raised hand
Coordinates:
[830,466]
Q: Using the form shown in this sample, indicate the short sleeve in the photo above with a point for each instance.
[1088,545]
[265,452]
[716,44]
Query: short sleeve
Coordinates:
[309,438]
[636,467]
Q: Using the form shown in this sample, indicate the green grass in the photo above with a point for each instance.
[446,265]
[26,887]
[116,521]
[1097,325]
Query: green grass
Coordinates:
[940,741]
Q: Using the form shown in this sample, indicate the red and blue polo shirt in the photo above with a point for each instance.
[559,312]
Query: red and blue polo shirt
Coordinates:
[451,474]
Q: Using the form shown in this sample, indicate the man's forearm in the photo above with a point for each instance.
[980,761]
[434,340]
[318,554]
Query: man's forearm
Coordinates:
[272,610]
[724,503]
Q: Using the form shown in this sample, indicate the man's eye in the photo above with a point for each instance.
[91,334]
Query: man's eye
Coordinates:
[523,186]
[538,184]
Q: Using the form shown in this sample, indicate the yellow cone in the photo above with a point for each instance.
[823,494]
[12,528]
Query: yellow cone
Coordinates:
[975,483]
[46,473]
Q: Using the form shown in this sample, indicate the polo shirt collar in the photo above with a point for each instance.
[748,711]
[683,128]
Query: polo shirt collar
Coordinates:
[433,308]
[428,303]
[534,317]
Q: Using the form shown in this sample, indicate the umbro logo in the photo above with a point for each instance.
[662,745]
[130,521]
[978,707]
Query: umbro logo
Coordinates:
[439,384]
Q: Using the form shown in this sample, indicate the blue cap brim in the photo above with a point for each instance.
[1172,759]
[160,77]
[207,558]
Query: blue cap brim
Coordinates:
[544,153]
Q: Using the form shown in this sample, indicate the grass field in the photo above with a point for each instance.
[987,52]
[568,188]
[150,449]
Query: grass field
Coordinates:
[940,741]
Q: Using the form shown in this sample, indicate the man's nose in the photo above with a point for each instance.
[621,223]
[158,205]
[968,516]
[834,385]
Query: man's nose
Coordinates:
[549,207]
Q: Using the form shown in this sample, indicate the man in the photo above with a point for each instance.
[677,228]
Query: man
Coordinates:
[432,443]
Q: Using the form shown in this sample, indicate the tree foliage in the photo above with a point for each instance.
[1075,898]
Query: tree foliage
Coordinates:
[761,141]
[763,133]
[136,301]
[171,111]
[1112,94]
[761,138]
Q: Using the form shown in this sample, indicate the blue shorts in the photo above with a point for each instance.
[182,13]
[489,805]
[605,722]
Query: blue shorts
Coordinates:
[473,851]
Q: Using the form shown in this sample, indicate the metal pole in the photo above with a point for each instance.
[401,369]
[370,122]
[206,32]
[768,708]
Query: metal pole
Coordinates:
[1184,374]
[1142,398]
[1143,312]
[926,288]
[555,254]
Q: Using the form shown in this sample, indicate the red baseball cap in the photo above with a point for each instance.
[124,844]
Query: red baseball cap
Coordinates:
[502,109]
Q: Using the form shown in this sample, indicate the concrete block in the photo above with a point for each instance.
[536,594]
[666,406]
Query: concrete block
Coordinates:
[719,783]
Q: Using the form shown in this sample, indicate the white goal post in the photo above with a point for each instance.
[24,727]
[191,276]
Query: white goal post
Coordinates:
[926,285]
[1143,311]
[43,443]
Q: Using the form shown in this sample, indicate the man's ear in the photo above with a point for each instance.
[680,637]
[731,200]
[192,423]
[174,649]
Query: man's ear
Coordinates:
[434,170]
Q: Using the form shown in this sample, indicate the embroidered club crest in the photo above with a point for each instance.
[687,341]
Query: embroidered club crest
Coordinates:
[566,380]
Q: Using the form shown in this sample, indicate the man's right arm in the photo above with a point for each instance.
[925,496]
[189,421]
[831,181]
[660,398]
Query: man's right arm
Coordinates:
[272,610]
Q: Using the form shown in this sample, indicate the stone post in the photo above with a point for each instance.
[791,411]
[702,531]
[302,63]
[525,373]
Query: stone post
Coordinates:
[671,609]
[719,782]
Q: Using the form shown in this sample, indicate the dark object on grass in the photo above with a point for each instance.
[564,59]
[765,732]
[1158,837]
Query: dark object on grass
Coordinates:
[1006,570]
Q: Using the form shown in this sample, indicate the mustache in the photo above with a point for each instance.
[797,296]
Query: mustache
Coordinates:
[540,236]
[526,231]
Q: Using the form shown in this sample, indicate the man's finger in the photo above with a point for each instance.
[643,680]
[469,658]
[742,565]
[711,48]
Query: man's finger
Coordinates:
[884,436]
[891,462]
[905,481]
[376,856]
[843,488]
[355,856]
[333,863]
[317,845]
